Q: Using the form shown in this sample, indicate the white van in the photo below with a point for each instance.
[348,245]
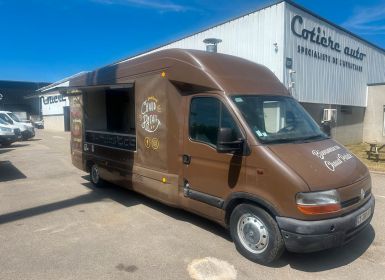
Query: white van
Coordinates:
[15,129]
[26,129]
[7,134]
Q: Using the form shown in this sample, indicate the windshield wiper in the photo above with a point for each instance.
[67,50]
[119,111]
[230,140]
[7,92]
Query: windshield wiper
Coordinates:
[296,140]
[310,138]
[278,141]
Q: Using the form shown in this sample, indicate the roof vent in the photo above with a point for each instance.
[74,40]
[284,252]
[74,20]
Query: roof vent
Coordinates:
[211,44]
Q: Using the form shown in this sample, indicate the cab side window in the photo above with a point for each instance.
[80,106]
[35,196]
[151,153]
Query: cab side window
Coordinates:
[207,115]
[5,118]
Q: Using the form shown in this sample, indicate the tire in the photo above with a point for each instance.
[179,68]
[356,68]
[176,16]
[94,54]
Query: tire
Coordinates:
[256,234]
[95,176]
[6,144]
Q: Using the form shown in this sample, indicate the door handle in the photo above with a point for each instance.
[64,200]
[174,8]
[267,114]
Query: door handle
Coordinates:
[186,159]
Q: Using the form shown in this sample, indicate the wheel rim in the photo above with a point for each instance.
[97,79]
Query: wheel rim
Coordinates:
[95,174]
[252,233]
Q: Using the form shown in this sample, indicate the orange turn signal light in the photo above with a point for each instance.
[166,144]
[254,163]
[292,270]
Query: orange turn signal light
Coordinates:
[319,209]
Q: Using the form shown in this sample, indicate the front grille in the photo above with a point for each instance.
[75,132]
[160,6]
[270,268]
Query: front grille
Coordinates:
[16,131]
[353,200]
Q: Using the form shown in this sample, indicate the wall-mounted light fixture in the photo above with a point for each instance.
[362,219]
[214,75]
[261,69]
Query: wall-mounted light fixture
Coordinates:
[291,80]
[275,46]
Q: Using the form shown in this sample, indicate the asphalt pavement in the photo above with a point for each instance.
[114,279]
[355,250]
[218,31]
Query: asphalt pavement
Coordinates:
[55,225]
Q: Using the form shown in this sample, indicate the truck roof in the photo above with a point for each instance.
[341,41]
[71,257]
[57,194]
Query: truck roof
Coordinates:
[188,69]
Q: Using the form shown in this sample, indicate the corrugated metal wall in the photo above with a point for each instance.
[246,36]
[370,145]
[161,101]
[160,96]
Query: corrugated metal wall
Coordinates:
[316,81]
[251,37]
[321,81]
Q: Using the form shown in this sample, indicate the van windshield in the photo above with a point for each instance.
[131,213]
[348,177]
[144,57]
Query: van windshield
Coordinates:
[3,121]
[14,117]
[5,118]
[277,119]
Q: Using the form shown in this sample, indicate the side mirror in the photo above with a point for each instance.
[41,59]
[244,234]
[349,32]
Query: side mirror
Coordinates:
[227,142]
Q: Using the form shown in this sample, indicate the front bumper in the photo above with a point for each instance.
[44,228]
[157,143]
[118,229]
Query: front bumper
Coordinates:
[310,236]
[7,139]
[26,134]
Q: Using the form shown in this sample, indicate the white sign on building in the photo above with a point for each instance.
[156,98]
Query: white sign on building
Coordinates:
[53,104]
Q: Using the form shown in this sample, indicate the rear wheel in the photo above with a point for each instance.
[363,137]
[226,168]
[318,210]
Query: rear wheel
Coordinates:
[256,234]
[95,176]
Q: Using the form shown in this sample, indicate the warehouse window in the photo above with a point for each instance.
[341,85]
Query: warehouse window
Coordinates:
[348,110]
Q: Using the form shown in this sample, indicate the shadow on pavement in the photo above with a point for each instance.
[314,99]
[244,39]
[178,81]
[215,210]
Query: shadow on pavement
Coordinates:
[94,196]
[32,140]
[123,196]
[18,145]
[8,172]
[332,258]
[311,262]
[5,150]
[42,209]
[128,198]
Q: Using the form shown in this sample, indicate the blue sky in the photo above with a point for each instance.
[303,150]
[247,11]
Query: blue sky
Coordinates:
[47,40]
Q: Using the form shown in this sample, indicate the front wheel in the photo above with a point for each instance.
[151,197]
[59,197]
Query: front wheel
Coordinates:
[95,176]
[256,234]
[6,144]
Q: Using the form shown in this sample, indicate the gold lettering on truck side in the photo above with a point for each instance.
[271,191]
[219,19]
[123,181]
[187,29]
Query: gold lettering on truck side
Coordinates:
[147,142]
[155,143]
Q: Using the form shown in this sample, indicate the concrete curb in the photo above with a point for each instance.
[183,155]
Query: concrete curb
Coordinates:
[377,172]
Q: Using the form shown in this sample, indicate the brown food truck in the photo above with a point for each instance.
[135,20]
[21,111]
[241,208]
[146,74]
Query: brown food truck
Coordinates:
[220,136]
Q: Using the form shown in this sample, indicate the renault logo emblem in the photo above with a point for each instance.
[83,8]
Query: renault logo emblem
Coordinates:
[362,196]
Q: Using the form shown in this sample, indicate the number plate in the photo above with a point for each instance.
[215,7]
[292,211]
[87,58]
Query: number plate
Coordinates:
[363,217]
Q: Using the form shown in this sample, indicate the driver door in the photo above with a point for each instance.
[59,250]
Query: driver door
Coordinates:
[209,176]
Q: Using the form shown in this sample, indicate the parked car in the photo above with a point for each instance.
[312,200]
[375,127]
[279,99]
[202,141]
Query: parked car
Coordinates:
[16,130]
[27,130]
[38,124]
[7,134]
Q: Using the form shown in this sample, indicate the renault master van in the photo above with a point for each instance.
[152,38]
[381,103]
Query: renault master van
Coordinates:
[221,137]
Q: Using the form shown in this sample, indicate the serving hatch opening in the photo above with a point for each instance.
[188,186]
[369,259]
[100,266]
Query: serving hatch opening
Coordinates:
[75,91]
[109,116]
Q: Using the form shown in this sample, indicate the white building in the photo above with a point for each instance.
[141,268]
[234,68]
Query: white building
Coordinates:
[324,65]
[54,106]
[327,68]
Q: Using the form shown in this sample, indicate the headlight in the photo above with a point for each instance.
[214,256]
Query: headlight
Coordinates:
[5,129]
[314,203]
[27,127]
